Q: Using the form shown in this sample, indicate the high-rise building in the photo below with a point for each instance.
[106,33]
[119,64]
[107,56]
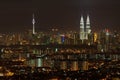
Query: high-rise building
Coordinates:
[85,30]
[82,31]
[88,29]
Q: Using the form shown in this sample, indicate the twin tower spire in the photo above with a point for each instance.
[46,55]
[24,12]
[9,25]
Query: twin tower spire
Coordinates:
[84,28]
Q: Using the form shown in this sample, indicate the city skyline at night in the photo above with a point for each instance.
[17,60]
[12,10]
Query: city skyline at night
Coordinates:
[16,16]
[60,40]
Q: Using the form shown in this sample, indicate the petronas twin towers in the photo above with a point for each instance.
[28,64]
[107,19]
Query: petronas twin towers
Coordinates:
[84,28]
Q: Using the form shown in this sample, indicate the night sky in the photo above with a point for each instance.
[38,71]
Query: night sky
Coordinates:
[16,15]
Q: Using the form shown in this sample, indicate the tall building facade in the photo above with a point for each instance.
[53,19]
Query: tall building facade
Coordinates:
[82,27]
[88,29]
[85,28]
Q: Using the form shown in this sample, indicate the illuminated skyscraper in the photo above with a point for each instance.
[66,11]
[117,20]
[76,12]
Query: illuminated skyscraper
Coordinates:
[88,29]
[33,22]
[82,32]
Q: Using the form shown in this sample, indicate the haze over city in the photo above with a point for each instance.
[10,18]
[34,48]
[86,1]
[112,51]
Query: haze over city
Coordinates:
[16,16]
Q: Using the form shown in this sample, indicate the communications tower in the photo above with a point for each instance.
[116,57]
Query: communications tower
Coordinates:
[33,22]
